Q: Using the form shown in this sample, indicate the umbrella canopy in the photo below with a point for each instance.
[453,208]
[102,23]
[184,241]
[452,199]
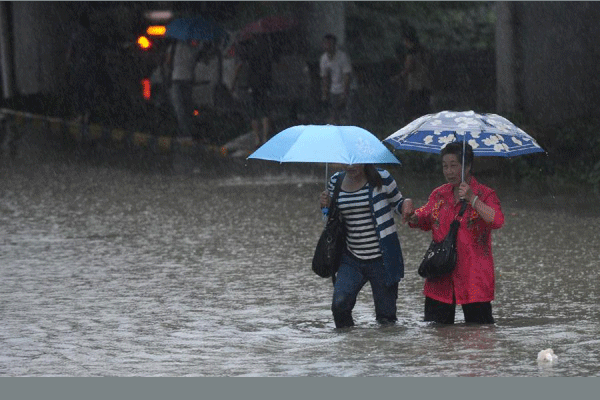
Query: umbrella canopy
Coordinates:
[325,144]
[195,28]
[270,24]
[488,134]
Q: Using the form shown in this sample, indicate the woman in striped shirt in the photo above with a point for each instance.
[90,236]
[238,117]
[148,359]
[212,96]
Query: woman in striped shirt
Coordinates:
[368,196]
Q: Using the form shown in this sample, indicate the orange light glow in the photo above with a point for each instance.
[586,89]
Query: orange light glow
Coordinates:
[196,113]
[146,88]
[156,30]
[144,43]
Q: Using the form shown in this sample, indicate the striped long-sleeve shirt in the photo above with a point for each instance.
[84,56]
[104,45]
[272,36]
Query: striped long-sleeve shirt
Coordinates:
[361,236]
[382,203]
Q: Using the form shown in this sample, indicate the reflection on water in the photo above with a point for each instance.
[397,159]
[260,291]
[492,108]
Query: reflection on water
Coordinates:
[109,270]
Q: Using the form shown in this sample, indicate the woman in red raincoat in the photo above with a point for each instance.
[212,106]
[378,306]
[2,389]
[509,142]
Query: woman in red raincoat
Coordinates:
[471,284]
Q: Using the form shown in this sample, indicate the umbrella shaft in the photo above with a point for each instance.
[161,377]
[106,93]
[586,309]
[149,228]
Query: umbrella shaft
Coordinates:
[463,156]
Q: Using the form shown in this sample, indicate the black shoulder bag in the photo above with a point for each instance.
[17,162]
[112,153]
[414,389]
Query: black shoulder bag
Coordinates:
[440,257]
[328,254]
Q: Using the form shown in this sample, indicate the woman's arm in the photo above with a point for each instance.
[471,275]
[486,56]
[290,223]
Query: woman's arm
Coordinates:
[325,87]
[488,209]
[324,199]
[327,194]
[401,205]
[421,217]
[486,212]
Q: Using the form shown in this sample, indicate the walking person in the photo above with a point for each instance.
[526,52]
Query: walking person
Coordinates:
[472,283]
[336,76]
[417,74]
[257,56]
[83,58]
[182,57]
[367,198]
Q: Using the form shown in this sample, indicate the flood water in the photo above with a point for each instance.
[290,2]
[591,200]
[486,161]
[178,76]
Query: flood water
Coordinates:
[155,267]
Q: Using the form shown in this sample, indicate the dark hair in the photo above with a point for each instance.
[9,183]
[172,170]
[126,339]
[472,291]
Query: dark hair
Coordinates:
[457,149]
[373,176]
[330,36]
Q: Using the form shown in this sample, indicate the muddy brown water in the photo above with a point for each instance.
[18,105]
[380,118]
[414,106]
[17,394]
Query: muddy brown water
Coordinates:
[107,269]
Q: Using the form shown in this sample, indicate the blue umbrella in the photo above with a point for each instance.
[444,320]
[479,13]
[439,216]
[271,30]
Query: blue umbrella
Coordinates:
[325,144]
[488,134]
[195,28]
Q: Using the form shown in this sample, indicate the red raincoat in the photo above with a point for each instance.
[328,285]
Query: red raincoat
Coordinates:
[472,280]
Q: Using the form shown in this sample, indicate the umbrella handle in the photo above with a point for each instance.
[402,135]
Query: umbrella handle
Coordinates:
[325,210]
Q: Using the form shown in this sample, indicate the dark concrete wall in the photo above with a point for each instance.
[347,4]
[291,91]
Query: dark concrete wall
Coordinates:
[507,94]
[556,62]
[41,32]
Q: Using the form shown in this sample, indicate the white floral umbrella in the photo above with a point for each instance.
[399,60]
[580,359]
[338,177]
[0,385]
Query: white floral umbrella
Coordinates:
[488,134]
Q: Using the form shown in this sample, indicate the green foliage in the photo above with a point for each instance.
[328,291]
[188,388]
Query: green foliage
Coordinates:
[248,11]
[374,29]
[576,149]
[573,152]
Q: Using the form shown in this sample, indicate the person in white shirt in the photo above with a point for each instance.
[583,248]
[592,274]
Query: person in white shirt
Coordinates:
[336,75]
[182,59]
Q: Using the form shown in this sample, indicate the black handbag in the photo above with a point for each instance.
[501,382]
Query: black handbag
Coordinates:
[328,253]
[440,257]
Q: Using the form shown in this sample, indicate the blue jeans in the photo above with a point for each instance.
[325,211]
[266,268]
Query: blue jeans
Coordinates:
[351,277]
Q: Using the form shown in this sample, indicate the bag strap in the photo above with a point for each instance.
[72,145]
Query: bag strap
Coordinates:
[462,209]
[336,192]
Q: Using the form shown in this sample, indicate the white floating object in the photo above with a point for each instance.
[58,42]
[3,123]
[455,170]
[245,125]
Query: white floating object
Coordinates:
[546,356]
